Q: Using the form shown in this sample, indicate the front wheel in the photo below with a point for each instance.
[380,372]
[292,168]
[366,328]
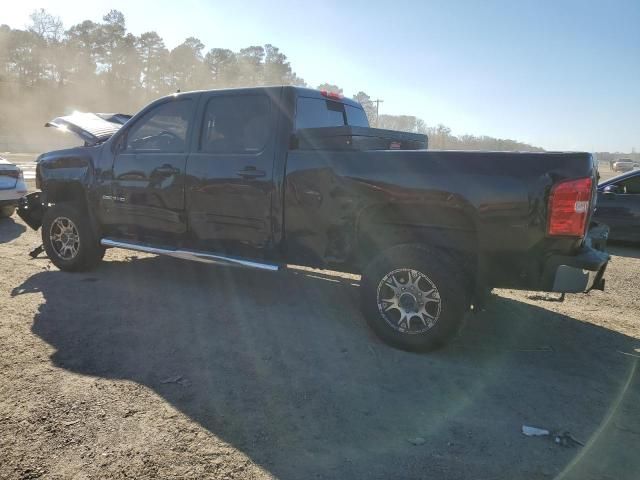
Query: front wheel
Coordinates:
[414,298]
[68,238]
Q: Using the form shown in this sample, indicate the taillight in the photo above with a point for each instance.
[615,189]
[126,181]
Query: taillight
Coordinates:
[569,208]
[12,173]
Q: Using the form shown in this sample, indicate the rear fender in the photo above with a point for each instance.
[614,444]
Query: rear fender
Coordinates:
[446,229]
[441,227]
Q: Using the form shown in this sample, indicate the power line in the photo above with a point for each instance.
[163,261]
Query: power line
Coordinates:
[377,102]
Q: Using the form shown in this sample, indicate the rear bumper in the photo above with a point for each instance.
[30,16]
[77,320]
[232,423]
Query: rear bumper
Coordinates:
[583,271]
[13,194]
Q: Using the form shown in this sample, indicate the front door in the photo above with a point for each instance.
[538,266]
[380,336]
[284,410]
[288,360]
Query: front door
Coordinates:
[621,209]
[147,194]
[230,174]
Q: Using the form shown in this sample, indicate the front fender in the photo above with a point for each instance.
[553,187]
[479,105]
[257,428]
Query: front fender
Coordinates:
[62,166]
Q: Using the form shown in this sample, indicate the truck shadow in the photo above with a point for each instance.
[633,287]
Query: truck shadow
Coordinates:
[283,368]
[624,249]
[10,229]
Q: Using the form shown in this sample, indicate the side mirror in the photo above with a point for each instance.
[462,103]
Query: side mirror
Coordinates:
[118,145]
[610,190]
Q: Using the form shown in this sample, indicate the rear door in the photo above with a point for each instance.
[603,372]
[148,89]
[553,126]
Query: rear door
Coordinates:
[230,173]
[147,191]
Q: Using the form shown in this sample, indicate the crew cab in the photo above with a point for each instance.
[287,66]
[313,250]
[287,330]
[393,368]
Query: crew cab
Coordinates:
[267,177]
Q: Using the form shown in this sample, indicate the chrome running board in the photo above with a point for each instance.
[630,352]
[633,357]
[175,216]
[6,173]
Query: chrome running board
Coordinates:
[190,255]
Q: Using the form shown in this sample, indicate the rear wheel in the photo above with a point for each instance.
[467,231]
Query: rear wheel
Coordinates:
[415,298]
[6,211]
[68,238]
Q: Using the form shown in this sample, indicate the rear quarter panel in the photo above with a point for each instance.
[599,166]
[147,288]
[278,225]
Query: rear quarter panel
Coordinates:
[482,201]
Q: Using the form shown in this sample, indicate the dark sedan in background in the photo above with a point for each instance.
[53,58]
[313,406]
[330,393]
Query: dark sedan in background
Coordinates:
[619,206]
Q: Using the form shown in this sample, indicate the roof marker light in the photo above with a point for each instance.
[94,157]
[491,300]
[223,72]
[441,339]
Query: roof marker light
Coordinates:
[333,95]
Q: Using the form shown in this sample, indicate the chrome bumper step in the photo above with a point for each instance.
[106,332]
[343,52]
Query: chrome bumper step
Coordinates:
[193,255]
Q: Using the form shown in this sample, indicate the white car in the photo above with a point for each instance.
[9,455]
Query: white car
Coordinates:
[623,166]
[12,187]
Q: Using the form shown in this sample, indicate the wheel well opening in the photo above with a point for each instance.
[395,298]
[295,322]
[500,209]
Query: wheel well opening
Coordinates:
[446,229]
[67,192]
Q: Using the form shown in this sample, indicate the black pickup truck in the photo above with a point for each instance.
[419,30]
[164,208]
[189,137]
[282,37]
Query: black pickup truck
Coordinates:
[266,177]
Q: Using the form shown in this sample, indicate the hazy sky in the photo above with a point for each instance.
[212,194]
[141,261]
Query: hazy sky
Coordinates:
[561,74]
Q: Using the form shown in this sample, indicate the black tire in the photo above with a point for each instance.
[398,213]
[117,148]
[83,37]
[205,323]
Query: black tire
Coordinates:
[88,251]
[7,211]
[435,315]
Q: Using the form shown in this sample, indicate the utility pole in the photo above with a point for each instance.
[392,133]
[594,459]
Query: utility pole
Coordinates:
[378,102]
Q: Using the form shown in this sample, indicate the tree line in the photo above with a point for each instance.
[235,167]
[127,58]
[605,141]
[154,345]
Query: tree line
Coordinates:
[47,70]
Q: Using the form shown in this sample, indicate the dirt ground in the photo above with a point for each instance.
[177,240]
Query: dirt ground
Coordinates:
[149,367]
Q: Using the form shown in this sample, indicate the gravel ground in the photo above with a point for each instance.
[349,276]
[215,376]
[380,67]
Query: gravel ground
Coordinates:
[149,367]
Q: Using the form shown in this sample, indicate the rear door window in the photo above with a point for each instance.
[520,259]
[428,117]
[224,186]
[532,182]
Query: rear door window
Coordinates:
[630,186]
[236,124]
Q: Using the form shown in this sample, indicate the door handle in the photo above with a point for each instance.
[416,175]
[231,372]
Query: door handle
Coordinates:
[251,172]
[167,170]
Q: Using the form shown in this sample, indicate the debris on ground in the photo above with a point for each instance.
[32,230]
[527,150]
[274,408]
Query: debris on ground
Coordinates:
[534,431]
[629,354]
[546,297]
[36,251]
[567,440]
[562,438]
[175,379]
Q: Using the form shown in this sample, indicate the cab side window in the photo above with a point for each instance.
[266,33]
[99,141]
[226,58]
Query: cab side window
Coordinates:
[236,124]
[629,186]
[162,129]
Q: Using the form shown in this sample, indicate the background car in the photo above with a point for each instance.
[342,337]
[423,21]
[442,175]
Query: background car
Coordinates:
[618,206]
[12,187]
[623,166]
